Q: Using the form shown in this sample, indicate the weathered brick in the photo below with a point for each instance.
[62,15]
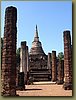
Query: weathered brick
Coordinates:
[9,53]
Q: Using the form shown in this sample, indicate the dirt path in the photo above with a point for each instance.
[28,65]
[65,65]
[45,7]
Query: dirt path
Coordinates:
[45,90]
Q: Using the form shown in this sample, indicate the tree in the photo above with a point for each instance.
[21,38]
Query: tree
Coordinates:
[60,56]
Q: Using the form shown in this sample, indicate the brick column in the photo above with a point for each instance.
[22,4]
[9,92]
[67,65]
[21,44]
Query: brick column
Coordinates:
[67,61]
[49,64]
[23,59]
[60,72]
[27,56]
[9,53]
[21,85]
[27,62]
[54,69]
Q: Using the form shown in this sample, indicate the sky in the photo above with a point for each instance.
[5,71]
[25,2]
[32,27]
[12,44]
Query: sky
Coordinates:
[51,17]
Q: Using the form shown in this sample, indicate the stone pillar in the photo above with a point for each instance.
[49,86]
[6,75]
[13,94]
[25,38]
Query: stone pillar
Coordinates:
[60,72]
[49,64]
[23,59]
[23,56]
[21,84]
[67,61]
[8,78]
[26,65]
[17,67]
[1,51]
[27,55]
[54,69]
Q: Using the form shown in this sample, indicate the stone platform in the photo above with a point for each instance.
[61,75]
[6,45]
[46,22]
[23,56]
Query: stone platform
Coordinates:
[44,83]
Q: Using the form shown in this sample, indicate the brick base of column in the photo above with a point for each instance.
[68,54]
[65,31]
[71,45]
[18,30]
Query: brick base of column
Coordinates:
[21,85]
[67,86]
[59,82]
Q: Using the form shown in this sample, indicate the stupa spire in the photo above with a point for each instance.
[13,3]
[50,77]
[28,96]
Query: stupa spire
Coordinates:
[36,45]
[36,31]
[36,38]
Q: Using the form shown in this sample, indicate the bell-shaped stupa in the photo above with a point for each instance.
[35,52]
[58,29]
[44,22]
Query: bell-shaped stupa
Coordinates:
[36,45]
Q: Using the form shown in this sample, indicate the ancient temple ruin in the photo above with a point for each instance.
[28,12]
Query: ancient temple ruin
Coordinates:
[35,62]
[35,65]
[42,67]
[38,68]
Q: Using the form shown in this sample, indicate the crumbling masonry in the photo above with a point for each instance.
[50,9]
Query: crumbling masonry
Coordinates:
[60,70]
[24,60]
[54,69]
[67,61]
[9,53]
[49,64]
[35,64]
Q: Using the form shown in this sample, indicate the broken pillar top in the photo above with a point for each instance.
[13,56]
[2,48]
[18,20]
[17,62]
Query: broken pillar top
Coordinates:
[66,33]
[49,53]
[11,8]
[67,37]
[27,47]
[23,43]
[53,51]
[11,15]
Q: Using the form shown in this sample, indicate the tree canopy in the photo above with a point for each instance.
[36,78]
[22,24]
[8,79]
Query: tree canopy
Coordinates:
[60,56]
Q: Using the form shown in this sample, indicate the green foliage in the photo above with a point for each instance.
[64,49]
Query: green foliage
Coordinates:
[60,56]
[18,51]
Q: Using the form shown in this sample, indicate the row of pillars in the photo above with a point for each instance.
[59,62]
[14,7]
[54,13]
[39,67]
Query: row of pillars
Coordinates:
[23,68]
[62,73]
[56,68]
[56,71]
[8,72]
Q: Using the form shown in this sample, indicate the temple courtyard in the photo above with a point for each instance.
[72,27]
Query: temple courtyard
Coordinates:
[44,89]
